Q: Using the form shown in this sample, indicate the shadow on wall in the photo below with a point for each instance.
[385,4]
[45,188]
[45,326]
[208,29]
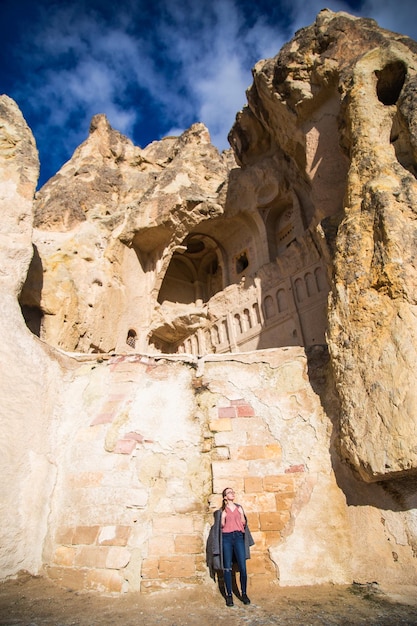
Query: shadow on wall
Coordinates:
[390,495]
[30,295]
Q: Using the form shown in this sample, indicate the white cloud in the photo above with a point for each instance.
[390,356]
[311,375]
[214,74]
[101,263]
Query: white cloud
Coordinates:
[191,61]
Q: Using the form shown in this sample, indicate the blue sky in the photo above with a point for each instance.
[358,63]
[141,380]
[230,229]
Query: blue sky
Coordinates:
[154,67]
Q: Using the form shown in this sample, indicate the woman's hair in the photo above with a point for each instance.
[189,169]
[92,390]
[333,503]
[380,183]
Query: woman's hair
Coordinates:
[224,499]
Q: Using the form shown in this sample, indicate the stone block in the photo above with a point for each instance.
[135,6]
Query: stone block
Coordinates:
[253,520]
[221,482]
[264,467]
[64,555]
[105,581]
[64,535]
[250,452]
[91,556]
[160,545]
[263,501]
[177,567]
[284,501]
[272,537]
[227,470]
[173,524]
[279,483]
[222,453]
[150,568]
[273,451]
[188,544]
[220,425]
[257,563]
[245,410]
[124,446]
[113,535]
[253,484]
[273,520]
[117,557]
[68,577]
[85,535]
[226,411]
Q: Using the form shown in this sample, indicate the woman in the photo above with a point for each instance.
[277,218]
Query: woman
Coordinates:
[230,539]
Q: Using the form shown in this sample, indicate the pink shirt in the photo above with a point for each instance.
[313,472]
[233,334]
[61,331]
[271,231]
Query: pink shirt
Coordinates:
[233,521]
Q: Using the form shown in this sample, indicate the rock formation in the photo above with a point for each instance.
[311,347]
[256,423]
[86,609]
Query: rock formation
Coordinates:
[200,319]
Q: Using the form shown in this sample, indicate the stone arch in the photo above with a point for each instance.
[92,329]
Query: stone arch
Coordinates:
[179,283]
[310,284]
[131,337]
[247,319]
[281,300]
[269,308]
[320,279]
[300,291]
[238,324]
[283,224]
[195,273]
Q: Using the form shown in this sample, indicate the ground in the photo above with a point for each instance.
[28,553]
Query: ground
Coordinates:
[35,601]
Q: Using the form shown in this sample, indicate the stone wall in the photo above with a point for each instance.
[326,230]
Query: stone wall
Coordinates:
[146,445]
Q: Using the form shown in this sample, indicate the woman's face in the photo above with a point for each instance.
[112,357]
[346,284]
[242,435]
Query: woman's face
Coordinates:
[229,495]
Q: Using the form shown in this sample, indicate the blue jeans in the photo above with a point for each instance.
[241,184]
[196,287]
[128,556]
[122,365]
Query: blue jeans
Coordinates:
[234,543]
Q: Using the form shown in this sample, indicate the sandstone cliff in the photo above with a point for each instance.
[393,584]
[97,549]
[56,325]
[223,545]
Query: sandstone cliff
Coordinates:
[199,318]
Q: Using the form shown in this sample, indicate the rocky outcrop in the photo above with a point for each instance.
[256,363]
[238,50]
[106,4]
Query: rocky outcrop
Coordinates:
[30,380]
[339,102]
[244,319]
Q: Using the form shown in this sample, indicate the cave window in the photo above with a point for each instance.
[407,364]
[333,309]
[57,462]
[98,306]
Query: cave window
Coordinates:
[281,300]
[241,262]
[310,285]
[247,318]
[299,290]
[238,324]
[215,335]
[320,279]
[224,331]
[257,313]
[269,307]
[131,338]
[390,82]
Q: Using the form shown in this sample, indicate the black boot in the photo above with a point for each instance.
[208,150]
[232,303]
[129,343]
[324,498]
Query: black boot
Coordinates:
[245,599]
[229,601]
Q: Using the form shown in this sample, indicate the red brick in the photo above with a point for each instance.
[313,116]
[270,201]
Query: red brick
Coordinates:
[125,446]
[245,410]
[227,411]
[294,469]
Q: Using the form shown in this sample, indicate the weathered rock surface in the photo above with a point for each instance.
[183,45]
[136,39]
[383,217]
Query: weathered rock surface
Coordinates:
[344,84]
[118,453]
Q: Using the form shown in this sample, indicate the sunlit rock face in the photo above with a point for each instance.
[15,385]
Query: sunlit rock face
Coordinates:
[242,319]
[339,101]
[175,248]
